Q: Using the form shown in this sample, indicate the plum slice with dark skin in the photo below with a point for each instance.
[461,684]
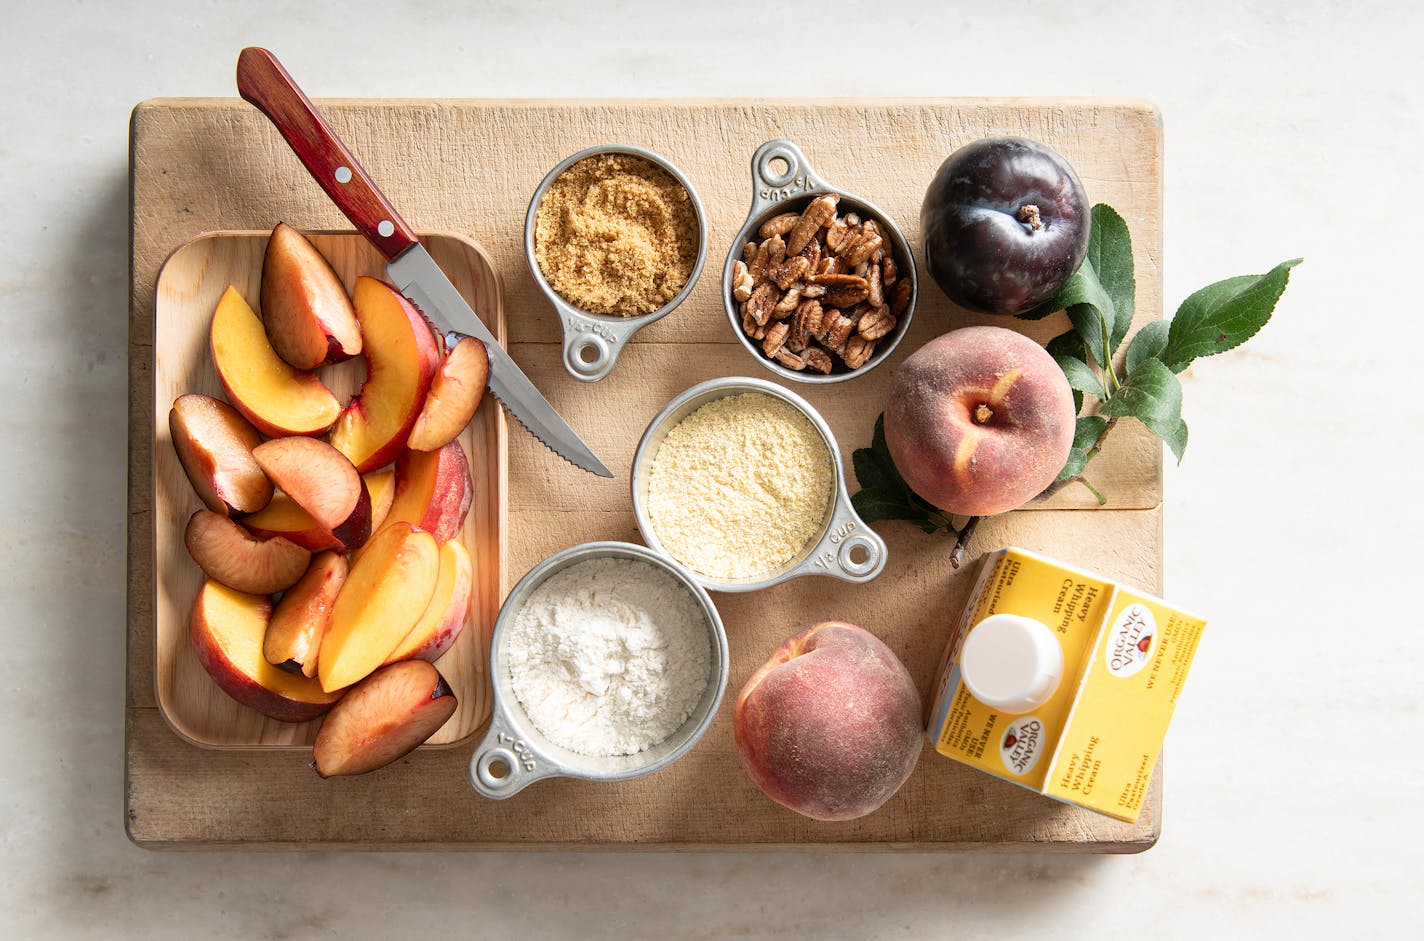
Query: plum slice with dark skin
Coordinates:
[382,718]
[234,557]
[323,482]
[1006,224]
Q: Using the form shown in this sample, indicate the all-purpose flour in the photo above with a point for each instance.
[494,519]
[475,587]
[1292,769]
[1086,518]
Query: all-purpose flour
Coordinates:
[609,656]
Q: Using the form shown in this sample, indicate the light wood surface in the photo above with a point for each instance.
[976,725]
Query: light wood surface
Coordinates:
[469,167]
[189,286]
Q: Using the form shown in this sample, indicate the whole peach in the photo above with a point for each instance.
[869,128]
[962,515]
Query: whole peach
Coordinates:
[830,726]
[980,420]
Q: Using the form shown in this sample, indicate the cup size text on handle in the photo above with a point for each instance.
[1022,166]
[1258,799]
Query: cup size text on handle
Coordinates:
[263,82]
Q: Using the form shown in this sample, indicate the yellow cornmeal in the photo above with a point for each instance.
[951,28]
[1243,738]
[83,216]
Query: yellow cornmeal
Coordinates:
[739,487]
[615,234]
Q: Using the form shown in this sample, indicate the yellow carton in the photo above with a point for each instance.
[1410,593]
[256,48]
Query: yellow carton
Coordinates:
[1093,740]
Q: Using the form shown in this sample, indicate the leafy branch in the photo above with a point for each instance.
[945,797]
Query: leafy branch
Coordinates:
[1099,301]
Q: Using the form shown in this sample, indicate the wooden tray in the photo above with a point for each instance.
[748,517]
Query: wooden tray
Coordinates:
[470,167]
[188,290]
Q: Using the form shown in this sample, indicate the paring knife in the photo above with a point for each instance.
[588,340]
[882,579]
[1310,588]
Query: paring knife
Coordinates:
[263,82]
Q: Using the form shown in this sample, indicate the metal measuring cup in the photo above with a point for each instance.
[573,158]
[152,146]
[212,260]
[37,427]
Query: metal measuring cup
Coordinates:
[774,193]
[514,754]
[592,341]
[844,546]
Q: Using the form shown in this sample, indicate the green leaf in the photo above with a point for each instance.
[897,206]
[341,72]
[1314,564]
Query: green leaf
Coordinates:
[883,493]
[1110,254]
[1068,343]
[1101,296]
[1089,429]
[1149,343]
[1080,375]
[1224,315]
[1153,396]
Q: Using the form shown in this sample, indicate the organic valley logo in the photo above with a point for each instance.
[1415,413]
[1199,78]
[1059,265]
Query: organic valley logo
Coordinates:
[1019,747]
[1131,640]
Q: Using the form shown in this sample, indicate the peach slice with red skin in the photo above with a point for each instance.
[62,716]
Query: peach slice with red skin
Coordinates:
[385,718]
[299,621]
[227,628]
[229,554]
[321,481]
[454,397]
[388,589]
[305,310]
[444,618]
[275,397]
[434,490]
[214,444]
[401,360]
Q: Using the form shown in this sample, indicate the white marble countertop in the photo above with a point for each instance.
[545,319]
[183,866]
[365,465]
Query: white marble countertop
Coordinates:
[1295,785]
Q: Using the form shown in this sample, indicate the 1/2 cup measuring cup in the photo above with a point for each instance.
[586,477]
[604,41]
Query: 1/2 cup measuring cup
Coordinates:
[592,341]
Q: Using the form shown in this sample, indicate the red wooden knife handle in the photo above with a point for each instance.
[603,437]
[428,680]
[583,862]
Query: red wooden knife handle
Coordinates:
[262,81]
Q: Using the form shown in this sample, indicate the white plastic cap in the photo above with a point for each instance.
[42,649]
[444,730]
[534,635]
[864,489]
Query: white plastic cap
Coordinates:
[1011,663]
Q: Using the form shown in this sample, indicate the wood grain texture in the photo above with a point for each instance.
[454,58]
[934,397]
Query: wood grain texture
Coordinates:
[469,167]
[189,286]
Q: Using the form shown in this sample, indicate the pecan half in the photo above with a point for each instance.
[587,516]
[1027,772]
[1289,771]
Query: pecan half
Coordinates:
[741,280]
[816,214]
[750,327]
[847,295]
[807,322]
[788,301]
[836,234]
[863,248]
[778,225]
[791,270]
[875,323]
[834,279]
[760,262]
[775,339]
[776,247]
[812,253]
[789,359]
[876,292]
[835,333]
[900,297]
[889,271]
[857,351]
[762,301]
[817,359]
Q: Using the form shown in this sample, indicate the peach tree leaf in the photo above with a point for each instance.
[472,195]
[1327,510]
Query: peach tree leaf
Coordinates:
[1153,396]
[1224,315]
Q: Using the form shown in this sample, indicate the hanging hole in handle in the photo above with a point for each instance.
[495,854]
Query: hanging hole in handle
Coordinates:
[778,166]
[496,768]
[588,355]
[858,555]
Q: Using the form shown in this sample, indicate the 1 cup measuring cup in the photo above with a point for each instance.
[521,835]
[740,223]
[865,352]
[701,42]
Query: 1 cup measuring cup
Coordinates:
[843,546]
[592,341]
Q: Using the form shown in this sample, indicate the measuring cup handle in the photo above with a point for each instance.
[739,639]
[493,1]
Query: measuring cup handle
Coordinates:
[770,187]
[501,747]
[850,550]
[591,348]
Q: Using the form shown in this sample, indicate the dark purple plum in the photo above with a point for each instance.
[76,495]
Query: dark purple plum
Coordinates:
[1006,224]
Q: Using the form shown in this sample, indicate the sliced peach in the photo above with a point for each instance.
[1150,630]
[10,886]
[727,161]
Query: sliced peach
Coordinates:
[385,594]
[385,718]
[322,482]
[444,617]
[382,485]
[455,395]
[214,444]
[433,490]
[227,628]
[241,561]
[307,314]
[276,398]
[294,636]
[401,359]
[282,517]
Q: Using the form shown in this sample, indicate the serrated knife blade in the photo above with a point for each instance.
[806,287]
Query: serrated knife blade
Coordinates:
[263,81]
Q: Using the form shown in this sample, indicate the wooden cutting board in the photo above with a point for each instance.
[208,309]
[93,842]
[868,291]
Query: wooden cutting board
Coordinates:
[469,168]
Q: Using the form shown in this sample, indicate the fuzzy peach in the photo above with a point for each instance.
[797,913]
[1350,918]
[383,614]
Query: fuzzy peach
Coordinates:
[980,420]
[830,726]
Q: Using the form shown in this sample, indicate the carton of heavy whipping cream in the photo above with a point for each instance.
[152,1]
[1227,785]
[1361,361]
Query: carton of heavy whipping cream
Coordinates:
[1062,681]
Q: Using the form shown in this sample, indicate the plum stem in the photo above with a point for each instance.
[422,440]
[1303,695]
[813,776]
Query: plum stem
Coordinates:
[1030,217]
